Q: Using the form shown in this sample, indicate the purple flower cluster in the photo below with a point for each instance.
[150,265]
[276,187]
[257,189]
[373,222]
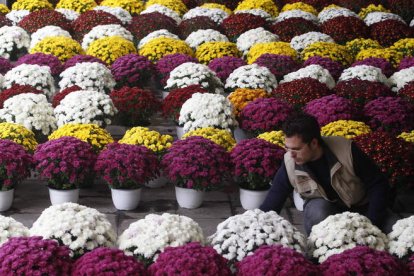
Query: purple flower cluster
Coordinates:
[81,58]
[125,166]
[107,261]
[331,108]
[276,260]
[190,259]
[224,66]
[132,70]
[255,163]
[279,65]
[34,256]
[5,65]
[362,260]
[334,67]
[381,63]
[392,114]
[65,162]
[197,163]
[41,59]
[167,63]
[15,164]
[405,63]
[264,114]
[410,265]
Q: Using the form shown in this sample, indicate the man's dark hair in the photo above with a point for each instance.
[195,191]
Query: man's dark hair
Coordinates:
[303,125]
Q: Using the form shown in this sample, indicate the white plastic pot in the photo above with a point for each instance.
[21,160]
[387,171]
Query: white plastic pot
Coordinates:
[6,199]
[298,201]
[158,182]
[189,198]
[180,131]
[126,199]
[62,196]
[240,134]
[251,199]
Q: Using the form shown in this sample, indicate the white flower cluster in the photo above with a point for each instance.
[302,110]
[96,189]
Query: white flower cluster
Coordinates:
[148,237]
[364,72]
[331,13]
[313,71]
[190,73]
[297,14]
[118,12]
[156,34]
[164,10]
[401,238]
[12,39]
[376,17]
[30,110]
[399,79]
[88,76]
[258,12]
[35,75]
[239,235]
[9,227]
[259,35]
[217,15]
[70,15]
[201,36]
[251,76]
[300,42]
[101,31]
[207,110]
[17,15]
[85,107]
[80,228]
[340,232]
[47,31]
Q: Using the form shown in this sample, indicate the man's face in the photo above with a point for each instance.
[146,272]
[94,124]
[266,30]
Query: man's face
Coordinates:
[300,151]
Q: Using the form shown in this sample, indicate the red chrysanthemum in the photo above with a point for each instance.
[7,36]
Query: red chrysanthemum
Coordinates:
[356,5]
[404,8]
[144,24]
[17,89]
[317,4]
[62,94]
[407,92]
[188,26]
[39,19]
[89,19]
[236,24]
[291,27]
[389,31]
[345,28]
[4,21]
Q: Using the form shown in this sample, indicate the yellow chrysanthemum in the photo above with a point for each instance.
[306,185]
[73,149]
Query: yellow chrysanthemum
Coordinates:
[300,6]
[359,44]
[404,46]
[242,96]
[345,128]
[216,49]
[134,7]
[109,48]
[96,136]
[32,5]
[18,134]
[159,47]
[407,136]
[219,136]
[151,139]
[60,46]
[331,6]
[4,9]
[390,55]
[330,50]
[276,137]
[267,5]
[176,5]
[79,6]
[372,8]
[216,6]
[277,48]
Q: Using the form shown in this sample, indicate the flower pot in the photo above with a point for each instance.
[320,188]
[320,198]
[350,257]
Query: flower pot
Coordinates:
[6,199]
[298,200]
[189,198]
[62,196]
[251,199]
[165,94]
[180,131]
[158,182]
[126,199]
[240,134]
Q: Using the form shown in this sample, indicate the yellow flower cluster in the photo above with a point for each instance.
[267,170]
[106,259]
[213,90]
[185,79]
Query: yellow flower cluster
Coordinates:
[159,47]
[277,48]
[404,46]
[242,96]
[267,5]
[331,6]
[60,46]
[390,55]
[4,9]
[176,5]
[134,7]
[18,134]
[151,139]
[110,48]
[276,137]
[345,128]
[372,8]
[216,49]
[300,6]
[219,136]
[79,6]
[32,5]
[330,50]
[96,136]
[216,6]
[407,136]
[359,44]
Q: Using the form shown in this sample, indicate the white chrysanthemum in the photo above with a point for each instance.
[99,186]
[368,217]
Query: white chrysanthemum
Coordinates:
[258,12]
[207,110]
[118,12]
[85,107]
[313,71]
[101,31]
[364,72]
[164,10]
[190,73]
[80,228]
[88,76]
[217,15]
[17,15]
[332,13]
[156,34]
[259,35]
[47,31]
[376,17]
[13,39]
[340,232]
[401,238]
[70,15]
[300,42]
[399,79]
[9,227]
[239,235]
[30,110]
[201,36]
[147,237]
[297,14]
[251,76]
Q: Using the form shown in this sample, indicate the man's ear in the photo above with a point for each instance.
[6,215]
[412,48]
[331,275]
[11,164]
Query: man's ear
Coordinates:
[314,143]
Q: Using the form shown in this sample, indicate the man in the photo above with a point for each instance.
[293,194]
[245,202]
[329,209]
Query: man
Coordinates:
[331,174]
